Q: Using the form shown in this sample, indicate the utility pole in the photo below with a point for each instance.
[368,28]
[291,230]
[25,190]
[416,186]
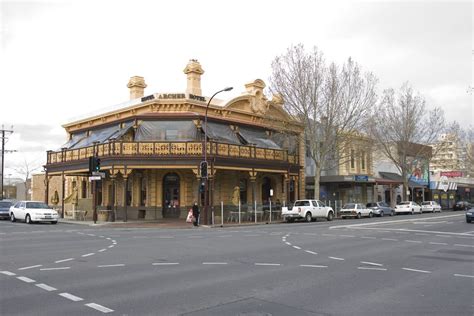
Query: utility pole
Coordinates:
[4,137]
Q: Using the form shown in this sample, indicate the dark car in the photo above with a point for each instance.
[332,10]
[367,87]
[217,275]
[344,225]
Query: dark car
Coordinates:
[469,215]
[5,209]
[461,205]
[381,208]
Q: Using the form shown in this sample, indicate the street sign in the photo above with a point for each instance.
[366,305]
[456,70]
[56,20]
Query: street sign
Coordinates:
[100,174]
[94,178]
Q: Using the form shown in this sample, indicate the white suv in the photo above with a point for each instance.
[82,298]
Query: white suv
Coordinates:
[31,211]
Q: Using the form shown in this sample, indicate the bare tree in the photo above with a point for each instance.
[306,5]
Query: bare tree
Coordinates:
[405,131]
[25,171]
[331,102]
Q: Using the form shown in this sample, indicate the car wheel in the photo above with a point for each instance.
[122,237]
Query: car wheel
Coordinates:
[370,215]
[54,223]
[359,215]
[381,214]
[412,212]
[330,216]
[308,217]
[392,213]
[468,220]
[12,218]
[28,219]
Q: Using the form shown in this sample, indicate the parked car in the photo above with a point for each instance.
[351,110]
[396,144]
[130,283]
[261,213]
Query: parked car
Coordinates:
[380,208]
[469,215]
[32,211]
[461,205]
[5,209]
[356,210]
[407,207]
[308,210]
[430,206]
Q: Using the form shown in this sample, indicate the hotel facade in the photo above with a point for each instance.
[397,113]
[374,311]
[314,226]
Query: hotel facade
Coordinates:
[150,149]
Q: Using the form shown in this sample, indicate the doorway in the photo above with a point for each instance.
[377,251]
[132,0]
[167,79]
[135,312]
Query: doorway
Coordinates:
[171,200]
[266,187]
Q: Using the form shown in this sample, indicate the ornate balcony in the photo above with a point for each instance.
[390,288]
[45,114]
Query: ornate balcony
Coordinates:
[192,149]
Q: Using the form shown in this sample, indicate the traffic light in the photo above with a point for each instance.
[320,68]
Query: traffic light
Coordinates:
[203,169]
[94,164]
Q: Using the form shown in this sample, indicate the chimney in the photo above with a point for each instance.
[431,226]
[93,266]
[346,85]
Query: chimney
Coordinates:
[194,71]
[137,87]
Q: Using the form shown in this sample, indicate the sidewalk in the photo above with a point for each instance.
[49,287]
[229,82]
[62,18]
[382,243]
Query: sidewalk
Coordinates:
[168,223]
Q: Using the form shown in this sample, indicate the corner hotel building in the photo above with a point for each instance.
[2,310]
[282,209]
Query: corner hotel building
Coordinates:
[151,149]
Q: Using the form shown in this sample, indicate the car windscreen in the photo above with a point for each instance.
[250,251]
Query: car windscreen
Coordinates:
[404,203]
[36,205]
[302,203]
[425,203]
[371,204]
[350,205]
[6,204]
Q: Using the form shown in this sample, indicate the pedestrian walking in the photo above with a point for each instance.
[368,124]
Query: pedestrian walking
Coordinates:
[196,214]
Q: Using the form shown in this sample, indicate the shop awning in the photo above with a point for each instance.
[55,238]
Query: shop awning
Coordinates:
[100,135]
[221,133]
[398,179]
[257,137]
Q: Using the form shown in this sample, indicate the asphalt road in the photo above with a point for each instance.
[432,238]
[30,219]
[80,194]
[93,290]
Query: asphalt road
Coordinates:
[403,265]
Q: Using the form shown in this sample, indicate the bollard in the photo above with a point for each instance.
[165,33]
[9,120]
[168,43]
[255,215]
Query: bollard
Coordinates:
[270,211]
[222,214]
[255,209]
[239,212]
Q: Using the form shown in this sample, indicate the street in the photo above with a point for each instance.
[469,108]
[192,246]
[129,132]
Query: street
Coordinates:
[402,265]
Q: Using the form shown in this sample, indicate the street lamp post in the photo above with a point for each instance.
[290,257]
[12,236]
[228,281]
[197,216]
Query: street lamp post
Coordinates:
[205,213]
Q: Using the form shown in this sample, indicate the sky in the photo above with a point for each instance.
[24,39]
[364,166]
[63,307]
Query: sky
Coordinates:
[64,59]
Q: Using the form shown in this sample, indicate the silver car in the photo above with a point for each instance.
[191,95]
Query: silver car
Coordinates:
[381,208]
[31,211]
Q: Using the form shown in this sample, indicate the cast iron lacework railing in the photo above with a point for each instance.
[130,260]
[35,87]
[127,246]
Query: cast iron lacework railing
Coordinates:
[171,149]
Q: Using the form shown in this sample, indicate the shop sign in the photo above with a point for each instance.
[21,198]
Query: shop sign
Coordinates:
[361,178]
[148,98]
[443,183]
[197,97]
[451,196]
[171,96]
[435,196]
[451,174]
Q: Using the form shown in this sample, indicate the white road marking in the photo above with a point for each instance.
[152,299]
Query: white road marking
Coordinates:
[88,254]
[25,279]
[165,237]
[349,236]
[461,245]
[52,269]
[267,264]
[446,236]
[464,275]
[251,235]
[312,266]
[422,234]
[288,243]
[111,246]
[367,237]
[71,297]
[31,267]
[46,287]
[224,236]
[164,263]
[311,252]
[414,241]
[371,268]
[108,238]
[416,270]
[92,235]
[438,243]
[336,258]
[393,221]
[296,247]
[390,239]
[64,260]
[102,250]
[372,263]
[7,273]
[210,263]
[111,265]
[100,308]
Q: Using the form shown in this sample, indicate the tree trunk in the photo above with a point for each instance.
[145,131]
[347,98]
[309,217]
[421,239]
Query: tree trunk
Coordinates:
[405,185]
[317,178]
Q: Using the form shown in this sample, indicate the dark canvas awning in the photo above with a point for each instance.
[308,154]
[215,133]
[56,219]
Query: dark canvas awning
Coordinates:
[221,133]
[257,137]
[166,131]
[100,135]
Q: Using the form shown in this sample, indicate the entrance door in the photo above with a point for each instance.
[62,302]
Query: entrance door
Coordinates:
[266,186]
[171,201]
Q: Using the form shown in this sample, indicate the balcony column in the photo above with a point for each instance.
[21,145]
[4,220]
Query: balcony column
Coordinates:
[253,181]
[46,187]
[286,191]
[125,174]
[113,177]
